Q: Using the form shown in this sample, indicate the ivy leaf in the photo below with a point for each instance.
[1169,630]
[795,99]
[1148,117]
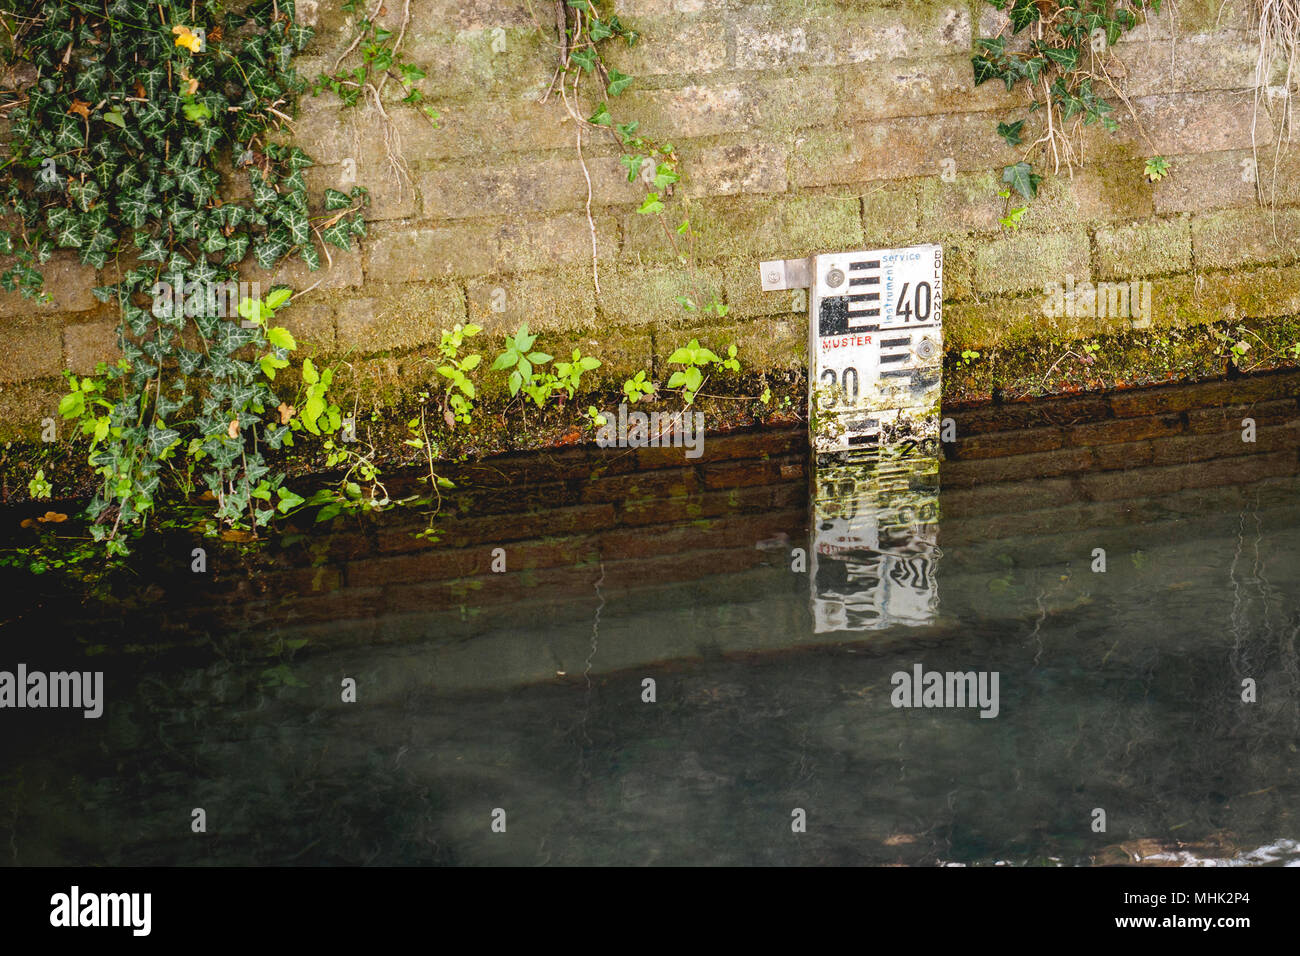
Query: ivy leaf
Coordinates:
[69,237]
[150,115]
[267,252]
[1023,13]
[294,183]
[1011,132]
[339,234]
[1022,179]
[69,137]
[160,439]
[585,58]
[334,199]
[288,501]
[633,164]
[601,117]
[618,82]
[114,116]
[263,193]
[651,205]
[236,249]
[300,34]
[665,176]
[985,70]
[190,180]
[151,79]
[297,159]
[296,223]
[154,250]
[1066,59]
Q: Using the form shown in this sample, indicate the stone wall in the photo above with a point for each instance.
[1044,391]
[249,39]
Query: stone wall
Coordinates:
[802,127]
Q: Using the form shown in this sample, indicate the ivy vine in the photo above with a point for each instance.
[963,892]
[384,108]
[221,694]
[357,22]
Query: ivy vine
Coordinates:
[115,145]
[586,31]
[1064,66]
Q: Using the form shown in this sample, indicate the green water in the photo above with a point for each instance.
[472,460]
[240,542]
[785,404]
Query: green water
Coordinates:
[1118,691]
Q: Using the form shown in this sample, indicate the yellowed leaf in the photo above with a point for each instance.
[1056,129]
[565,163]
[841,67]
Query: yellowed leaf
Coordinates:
[233,430]
[185,37]
[287,412]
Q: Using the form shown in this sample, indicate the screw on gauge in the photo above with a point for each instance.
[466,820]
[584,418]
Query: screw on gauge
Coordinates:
[835,278]
[925,349]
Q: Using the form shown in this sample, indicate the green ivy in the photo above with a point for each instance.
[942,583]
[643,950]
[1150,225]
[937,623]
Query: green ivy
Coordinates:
[1058,64]
[588,30]
[115,152]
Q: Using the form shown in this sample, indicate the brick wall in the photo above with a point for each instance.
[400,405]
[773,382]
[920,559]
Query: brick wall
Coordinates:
[1039,480]
[803,126]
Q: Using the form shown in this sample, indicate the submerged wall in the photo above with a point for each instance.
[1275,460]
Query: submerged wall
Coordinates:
[802,127]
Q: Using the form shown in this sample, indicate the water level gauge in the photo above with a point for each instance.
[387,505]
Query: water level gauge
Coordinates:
[875,342]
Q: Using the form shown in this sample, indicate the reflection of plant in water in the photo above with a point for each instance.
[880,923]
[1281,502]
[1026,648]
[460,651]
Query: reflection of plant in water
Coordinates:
[281,675]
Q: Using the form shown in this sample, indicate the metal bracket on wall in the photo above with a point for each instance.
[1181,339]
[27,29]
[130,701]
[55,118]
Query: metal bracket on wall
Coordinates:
[780,274]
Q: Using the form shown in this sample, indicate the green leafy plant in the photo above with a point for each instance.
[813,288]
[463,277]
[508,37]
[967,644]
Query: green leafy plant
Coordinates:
[1022,179]
[695,359]
[381,59]
[731,363]
[568,375]
[1011,132]
[540,386]
[587,30]
[458,398]
[1063,66]
[420,439]
[1011,216]
[968,356]
[39,487]
[115,150]
[1157,168]
[520,360]
[637,388]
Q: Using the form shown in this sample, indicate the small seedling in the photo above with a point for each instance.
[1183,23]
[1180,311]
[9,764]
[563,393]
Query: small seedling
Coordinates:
[638,388]
[1157,168]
